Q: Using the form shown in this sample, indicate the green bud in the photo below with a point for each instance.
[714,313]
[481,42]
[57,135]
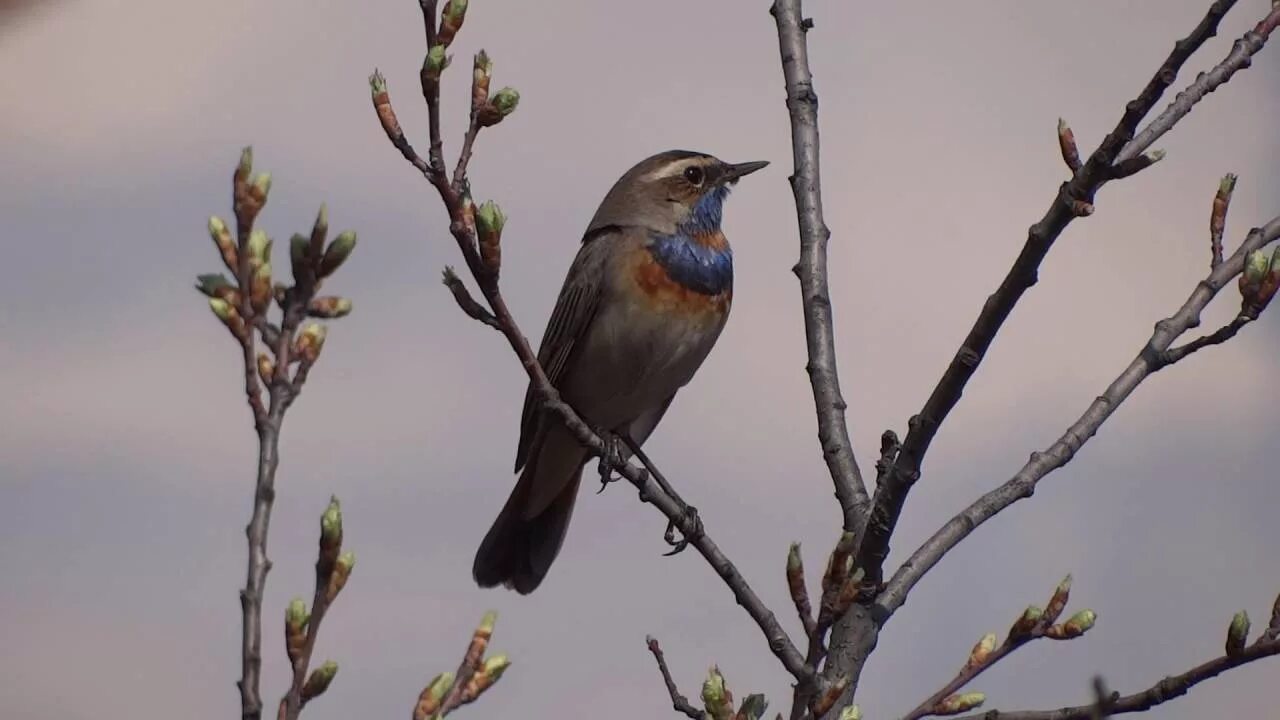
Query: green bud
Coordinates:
[439,687]
[329,307]
[505,100]
[487,622]
[347,560]
[377,83]
[793,558]
[1238,633]
[337,252]
[331,522]
[217,227]
[262,185]
[489,219]
[1023,626]
[960,702]
[714,695]
[319,679]
[982,650]
[259,246]
[1058,601]
[851,712]
[222,309]
[246,163]
[1080,623]
[435,62]
[1228,184]
[496,665]
[295,615]
[455,11]
[212,284]
[1255,266]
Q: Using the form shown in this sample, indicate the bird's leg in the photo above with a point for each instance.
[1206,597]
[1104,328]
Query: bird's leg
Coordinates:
[689,524]
[610,459]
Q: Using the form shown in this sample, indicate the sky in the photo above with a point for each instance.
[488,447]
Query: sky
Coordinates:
[127,453]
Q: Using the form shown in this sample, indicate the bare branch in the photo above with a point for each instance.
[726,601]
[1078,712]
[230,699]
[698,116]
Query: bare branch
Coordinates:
[468,304]
[1072,200]
[1167,689]
[802,103]
[679,702]
[1219,336]
[1150,359]
[1240,57]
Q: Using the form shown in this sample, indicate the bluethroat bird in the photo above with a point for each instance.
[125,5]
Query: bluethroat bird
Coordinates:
[643,302]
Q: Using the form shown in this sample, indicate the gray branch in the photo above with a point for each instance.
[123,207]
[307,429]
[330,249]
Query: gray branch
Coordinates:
[806,185]
[1152,357]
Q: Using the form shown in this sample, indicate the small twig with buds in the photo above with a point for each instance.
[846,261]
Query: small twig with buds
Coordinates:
[449,691]
[1218,218]
[333,568]
[718,700]
[243,304]
[841,587]
[478,232]
[1033,624]
[1238,652]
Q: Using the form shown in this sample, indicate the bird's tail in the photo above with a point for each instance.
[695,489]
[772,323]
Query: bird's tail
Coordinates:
[520,546]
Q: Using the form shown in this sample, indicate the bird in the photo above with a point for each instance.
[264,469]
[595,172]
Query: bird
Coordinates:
[642,304]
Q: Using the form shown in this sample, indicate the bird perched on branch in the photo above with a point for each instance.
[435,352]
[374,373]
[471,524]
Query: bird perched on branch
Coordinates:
[643,303]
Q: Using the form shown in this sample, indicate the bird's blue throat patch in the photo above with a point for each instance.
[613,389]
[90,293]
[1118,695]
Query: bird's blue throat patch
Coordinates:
[688,258]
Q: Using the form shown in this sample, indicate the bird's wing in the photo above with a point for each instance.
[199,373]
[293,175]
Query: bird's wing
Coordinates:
[574,311]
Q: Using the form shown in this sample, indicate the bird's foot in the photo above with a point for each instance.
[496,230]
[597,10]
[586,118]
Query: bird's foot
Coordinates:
[690,527]
[611,459]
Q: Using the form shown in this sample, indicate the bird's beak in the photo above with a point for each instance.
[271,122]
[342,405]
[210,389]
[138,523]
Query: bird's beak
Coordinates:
[731,173]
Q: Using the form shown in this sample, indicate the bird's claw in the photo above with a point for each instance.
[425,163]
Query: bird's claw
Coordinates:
[610,459]
[690,527]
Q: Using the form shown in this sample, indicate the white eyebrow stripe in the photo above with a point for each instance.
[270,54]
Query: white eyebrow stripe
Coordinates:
[673,168]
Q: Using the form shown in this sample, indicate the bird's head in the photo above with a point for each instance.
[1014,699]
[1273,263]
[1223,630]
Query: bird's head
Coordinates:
[677,190]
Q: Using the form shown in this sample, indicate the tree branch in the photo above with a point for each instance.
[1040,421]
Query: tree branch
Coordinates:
[1150,359]
[1074,199]
[1167,689]
[802,104]
[1240,57]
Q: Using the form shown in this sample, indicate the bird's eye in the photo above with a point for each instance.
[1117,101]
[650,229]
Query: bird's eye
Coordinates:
[693,175]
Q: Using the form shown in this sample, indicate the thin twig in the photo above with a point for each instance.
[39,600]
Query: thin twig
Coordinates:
[806,185]
[1219,336]
[468,304]
[1073,199]
[1240,57]
[1023,484]
[679,702]
[1167,689]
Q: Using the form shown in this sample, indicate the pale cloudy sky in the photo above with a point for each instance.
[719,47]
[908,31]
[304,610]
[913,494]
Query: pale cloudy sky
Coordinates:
[126,446]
